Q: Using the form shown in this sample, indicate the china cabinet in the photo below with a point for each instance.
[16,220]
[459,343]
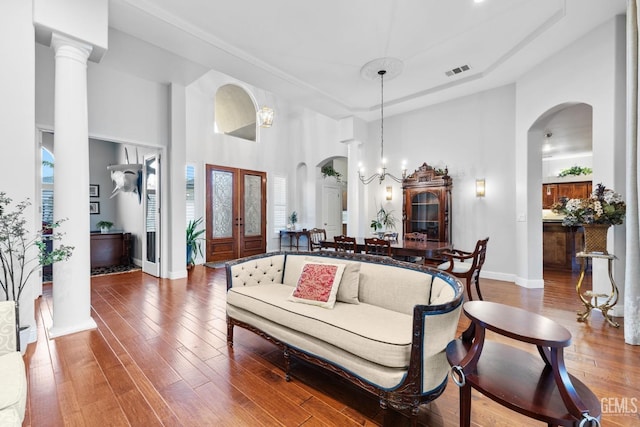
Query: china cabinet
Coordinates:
[427,203]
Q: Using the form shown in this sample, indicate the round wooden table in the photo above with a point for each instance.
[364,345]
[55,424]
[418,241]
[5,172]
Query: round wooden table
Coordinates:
[537,386]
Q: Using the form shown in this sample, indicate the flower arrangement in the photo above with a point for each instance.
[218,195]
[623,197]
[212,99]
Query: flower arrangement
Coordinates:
[605,206]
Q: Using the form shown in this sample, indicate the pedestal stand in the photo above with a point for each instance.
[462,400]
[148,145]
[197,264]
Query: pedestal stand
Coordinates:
[590,298]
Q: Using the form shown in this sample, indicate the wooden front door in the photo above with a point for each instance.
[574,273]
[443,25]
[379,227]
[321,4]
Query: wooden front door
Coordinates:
[236,213]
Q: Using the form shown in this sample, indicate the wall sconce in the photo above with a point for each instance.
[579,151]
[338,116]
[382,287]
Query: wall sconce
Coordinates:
[480,187]
[265,117]
[389,193]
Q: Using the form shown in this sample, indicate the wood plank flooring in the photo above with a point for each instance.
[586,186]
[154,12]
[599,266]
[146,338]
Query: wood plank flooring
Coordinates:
[159,358]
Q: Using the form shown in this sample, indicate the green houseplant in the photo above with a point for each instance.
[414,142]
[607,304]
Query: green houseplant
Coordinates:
[384,219]
[104,226]
[328,170]
[22,254]
[194,241]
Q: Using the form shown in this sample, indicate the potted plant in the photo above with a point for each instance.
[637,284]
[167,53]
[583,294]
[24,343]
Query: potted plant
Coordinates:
[387,218]
[21,254]
[384,219]
[194,241]
[293,218]
[104,226]
[328,170]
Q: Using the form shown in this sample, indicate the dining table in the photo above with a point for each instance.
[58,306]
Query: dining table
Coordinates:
[429,250]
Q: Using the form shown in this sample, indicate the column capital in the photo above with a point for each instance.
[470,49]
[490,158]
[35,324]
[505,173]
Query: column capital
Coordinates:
[70,48]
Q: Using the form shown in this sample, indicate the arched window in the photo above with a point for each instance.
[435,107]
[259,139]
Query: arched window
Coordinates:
[235,112]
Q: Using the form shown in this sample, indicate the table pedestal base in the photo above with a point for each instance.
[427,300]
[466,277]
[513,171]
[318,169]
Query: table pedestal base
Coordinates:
[590,298]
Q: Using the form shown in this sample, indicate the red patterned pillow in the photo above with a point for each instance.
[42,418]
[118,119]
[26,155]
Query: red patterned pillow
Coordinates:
[318,284]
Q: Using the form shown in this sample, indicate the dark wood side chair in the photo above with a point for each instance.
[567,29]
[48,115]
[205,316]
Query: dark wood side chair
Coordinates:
[377,246]
[466,265]
[316,236]
[414,236]
[345,244]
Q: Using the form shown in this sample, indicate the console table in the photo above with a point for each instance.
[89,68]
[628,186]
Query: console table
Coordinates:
[108,249]
[538,387]
[588,296]
[294,235]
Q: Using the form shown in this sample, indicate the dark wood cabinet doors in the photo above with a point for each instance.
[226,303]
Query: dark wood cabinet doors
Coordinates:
[236,213]
[551,193]
[427,203]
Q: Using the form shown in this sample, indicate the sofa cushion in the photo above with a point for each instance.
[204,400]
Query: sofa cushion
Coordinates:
[395,288]
[376,334]
[13,387]
[318,284]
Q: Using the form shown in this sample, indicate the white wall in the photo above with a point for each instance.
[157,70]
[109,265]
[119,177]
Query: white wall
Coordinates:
[473,137]
[17,111]
[86,20]
[588,71]
[122,107]
[125,109]
[298,136]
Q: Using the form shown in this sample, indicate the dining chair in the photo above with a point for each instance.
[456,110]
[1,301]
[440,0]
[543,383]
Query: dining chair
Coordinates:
[466,265]
[345,244]
[316,237]
[375,246]
[418,237]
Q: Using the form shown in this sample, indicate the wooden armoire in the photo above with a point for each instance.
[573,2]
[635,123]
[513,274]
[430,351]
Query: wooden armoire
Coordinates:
[427,203]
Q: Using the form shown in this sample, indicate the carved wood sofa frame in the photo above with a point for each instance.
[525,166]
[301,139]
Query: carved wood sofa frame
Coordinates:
[407,396]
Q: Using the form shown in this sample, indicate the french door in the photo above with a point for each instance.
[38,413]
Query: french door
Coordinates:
[236,213]
[151,203]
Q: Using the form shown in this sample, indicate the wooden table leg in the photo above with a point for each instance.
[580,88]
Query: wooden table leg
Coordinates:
[465,405]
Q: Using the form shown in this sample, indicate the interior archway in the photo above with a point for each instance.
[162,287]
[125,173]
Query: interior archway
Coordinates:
[235,112]
[558,139]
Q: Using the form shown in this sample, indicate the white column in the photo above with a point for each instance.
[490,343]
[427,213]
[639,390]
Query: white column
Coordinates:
[72,278]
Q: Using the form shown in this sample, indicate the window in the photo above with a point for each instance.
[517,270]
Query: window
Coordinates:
[191,193]
[47,186]
[279,203]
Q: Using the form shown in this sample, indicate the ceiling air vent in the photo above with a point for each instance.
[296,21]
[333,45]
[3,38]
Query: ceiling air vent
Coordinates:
[457,70]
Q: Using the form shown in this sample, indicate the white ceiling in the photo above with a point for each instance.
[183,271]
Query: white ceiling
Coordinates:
[311,53]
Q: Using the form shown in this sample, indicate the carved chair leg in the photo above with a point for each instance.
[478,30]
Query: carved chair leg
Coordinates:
[478,288]
[287,365]
[229,333]
[469,294]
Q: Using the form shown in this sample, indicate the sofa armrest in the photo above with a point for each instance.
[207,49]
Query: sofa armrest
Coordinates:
[8,327]
[434,326]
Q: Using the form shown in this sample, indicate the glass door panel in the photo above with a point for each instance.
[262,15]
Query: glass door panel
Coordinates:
[151,200]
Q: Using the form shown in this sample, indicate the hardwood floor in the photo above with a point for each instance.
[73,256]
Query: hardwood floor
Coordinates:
[159,357]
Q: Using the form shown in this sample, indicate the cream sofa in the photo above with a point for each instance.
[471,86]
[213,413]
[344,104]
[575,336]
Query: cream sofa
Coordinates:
[386,333]
[13,379]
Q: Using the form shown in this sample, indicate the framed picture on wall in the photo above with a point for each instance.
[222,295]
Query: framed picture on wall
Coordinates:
[94,190]
[94,208]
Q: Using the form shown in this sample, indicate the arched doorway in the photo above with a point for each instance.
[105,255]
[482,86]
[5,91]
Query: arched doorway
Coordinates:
[562,139]
[332,196]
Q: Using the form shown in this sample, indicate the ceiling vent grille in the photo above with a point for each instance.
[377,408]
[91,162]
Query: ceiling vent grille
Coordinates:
[457,70]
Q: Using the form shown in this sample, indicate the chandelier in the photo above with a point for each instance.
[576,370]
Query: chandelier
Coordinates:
[382,173]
